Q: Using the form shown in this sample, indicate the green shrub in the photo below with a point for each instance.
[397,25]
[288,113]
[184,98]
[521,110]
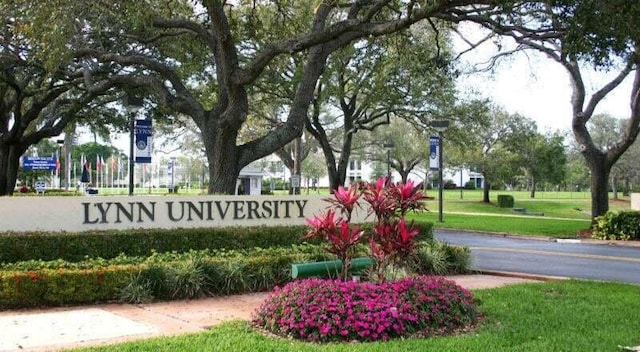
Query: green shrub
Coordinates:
[505,201]
[76,247]
[458,259]
[161,276]
[187,279]
[138,290]
[144,265]
[56,287]
[439,258]
[624,225]
[141,242]
[430,259]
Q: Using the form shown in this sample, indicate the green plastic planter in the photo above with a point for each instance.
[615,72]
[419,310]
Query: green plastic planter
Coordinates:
[328,268]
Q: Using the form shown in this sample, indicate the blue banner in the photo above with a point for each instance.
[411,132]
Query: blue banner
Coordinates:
[38,163]
[434,152]
[144,136]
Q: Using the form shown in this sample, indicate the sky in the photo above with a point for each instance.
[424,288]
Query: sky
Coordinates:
[536,86]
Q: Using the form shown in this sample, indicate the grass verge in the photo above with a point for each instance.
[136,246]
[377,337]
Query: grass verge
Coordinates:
[529,226]
[552,316]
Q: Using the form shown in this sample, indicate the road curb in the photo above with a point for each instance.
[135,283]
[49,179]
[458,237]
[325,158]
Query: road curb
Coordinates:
[627,244]
[568,240]
[521,275]
[499,234]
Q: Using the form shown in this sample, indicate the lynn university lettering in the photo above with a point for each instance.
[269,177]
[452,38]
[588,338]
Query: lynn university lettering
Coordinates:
[178,211]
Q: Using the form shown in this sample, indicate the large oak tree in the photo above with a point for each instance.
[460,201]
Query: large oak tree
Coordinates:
[183,53]
[38,101]
[577,33]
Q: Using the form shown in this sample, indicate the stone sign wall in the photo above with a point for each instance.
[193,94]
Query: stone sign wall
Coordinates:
[75,214]
[635,201]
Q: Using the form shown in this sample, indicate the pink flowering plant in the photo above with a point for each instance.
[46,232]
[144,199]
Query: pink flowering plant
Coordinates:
[334,310]
[393,239]
[342,238]
[341,310]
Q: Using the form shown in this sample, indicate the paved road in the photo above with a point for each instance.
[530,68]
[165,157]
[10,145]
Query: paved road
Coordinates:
[577,260]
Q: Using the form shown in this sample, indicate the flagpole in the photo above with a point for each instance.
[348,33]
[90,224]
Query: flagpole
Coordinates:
[97,171]
[68,170]
[58,169]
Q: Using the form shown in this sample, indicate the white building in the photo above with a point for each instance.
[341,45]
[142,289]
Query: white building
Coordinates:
[362,170]
[250,180]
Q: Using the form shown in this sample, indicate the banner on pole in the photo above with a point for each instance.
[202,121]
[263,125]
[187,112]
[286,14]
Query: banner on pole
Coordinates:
[434,152]
[144,136]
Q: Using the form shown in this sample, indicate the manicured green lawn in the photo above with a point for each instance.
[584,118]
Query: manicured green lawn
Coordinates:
[562,217]
[552,316]
[530,226]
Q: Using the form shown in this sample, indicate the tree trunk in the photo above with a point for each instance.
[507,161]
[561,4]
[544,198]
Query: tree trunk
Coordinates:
[614,186]
[9,163]
[404,175]
[223,158]
[533,188]
[599,183]
[297,163]
[485,191]
[337,173]
[627,186]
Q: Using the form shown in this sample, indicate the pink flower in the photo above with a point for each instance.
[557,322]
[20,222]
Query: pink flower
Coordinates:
[322,225]
[346,199]
[406,235]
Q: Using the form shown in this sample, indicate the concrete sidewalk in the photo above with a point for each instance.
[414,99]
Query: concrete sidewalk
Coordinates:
[63,328]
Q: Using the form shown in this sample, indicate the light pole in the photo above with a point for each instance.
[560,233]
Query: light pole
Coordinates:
[440,126]
[461,185]
[173,174]
[59,162]
[133,104]
[388,146]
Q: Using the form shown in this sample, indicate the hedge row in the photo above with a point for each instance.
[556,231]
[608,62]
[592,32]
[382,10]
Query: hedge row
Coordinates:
[623,225]
[181,276]
[48,287]
[505,201]
[16,247]
[171,280]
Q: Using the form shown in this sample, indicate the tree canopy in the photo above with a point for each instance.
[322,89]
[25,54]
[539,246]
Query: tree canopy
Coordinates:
[575,33]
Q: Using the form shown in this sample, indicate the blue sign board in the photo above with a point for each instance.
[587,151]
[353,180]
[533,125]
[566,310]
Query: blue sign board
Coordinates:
[38,163]
[434,153]
[144,135]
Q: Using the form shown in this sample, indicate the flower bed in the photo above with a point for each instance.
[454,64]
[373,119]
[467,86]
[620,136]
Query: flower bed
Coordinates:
[327,310]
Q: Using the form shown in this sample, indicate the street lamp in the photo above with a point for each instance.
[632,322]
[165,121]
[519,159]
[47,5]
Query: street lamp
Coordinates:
[59,162]
[440,126]
[388,146]
[133,104]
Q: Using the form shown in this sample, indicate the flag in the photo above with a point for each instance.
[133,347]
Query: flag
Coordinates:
[113,164]
[57,162]
[98,163]
[86,167]
[434,153]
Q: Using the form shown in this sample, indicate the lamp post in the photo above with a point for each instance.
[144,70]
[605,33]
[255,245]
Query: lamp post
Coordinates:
[388,146]
[440,126]
[133,104]
[173,175]
[59,162]
[461,185]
